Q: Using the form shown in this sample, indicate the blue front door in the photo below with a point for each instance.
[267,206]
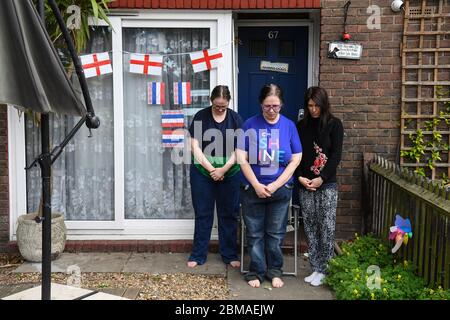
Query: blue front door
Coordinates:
[279,48]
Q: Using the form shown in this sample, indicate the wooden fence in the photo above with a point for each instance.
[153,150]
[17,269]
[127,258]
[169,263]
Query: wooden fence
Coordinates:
[392,190]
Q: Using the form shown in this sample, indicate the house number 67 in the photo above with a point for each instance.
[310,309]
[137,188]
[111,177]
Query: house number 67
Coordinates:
[272,34]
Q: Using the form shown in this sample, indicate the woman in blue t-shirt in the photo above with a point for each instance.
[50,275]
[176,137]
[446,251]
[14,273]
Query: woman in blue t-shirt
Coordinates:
[214,178]
[268,157]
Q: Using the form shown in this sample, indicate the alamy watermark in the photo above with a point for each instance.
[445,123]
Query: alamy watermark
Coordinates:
[262,146]
[374,20]
[374,278]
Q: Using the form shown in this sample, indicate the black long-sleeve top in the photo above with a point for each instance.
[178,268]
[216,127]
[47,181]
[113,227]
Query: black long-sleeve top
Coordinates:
[320,146]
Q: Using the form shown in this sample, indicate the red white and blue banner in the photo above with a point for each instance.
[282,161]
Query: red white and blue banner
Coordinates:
[205,59]
[182,93]
[156,93]
[96,64]
[146,64]
[172,128]
[172,138]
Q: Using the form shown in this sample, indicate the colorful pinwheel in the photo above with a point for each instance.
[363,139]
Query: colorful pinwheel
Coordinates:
[401,232]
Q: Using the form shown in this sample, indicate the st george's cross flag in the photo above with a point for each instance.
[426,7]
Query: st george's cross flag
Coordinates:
[172,122]
[181,93]
[205,59]
[146,64]
[96,64]
[156,93]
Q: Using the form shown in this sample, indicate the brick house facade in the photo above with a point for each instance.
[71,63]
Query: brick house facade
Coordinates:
[364,93]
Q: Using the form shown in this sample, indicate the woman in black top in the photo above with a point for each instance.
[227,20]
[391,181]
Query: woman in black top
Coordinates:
[214,177]
[321,135]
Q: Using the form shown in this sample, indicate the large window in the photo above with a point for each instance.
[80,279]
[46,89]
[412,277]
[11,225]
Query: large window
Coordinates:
[122,181]
[83,176]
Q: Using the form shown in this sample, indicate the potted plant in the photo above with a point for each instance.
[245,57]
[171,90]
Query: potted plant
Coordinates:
[29,226]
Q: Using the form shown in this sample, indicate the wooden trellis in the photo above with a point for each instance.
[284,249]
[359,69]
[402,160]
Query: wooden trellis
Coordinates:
[425,78]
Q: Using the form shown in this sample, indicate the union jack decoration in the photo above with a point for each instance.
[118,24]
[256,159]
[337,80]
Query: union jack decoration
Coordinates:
[172,128]
[205,60]
[182,93]
[146,64]
[96,64]
[156,92]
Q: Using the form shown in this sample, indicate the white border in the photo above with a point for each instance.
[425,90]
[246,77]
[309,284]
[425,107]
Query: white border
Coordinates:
[16,168]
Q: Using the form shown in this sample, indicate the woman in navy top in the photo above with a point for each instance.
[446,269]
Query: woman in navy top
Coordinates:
[214,177]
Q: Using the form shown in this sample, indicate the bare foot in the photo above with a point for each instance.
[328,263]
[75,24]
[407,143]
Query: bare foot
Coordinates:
[254,283]
[277,283]
[192,264]
[235,264]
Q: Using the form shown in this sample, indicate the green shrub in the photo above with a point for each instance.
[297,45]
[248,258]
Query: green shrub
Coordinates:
[348,274]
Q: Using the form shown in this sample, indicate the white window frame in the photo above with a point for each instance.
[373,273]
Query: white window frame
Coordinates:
[220,24]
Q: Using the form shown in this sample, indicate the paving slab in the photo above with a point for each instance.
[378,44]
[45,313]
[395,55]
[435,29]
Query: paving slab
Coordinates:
[63,292]
[58,292]
[7,290]
[104,296]
[86,261]
[294,287]
[170,263]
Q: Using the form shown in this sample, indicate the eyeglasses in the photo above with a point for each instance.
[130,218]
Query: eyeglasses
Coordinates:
[274,107]
[220,107]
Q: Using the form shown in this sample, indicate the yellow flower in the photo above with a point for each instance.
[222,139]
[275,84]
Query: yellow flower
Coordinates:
[399,276]
[372,296]
[405,263]
[355,291]
[384,290]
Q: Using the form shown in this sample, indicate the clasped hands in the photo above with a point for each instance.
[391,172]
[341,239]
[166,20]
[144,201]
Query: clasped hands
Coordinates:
[311,184]
[217,174]
[263,191]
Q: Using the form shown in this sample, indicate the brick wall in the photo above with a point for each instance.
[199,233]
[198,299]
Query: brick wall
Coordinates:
[365,94]
[4,189]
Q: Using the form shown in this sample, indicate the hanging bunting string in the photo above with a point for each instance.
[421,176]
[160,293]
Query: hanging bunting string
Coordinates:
[170,54]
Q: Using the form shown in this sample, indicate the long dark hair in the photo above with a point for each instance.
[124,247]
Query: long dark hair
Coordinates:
[270,90]
[221,92]
[320,97]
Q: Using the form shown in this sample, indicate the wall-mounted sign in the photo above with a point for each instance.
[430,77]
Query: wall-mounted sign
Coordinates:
[344,50]
[274,66]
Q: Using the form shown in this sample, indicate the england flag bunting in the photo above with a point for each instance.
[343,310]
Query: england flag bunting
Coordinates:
[172,122]
[146,64]
[205,59]
[181,93]
[96,64]
[156,93]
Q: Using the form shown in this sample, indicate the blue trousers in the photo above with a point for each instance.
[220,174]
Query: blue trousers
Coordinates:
[265,221]
[207,193]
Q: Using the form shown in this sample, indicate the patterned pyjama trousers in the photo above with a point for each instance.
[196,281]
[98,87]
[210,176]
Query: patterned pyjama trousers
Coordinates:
[319,219]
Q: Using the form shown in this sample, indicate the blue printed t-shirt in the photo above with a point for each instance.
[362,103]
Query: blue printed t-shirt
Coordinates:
[269,146]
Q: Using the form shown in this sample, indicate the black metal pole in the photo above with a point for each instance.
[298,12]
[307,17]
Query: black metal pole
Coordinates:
[45,163]
[92,121]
